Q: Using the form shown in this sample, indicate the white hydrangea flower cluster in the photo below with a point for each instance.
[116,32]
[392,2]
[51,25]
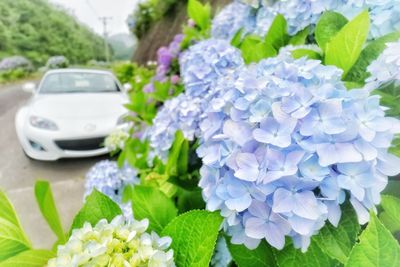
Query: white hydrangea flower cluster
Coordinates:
[116,140]
[119,243]
[386,68]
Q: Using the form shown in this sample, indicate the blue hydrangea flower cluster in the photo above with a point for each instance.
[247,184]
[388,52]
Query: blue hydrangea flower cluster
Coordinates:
[385,15]
[386,68]
[232,18]
[282,146]
[108,179]
[15,62]
[221,257]
[201,66]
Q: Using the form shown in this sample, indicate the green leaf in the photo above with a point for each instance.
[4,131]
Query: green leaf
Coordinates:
[390,216]
[328,26]
[45,200]
[151,203]
[300,38]
[200,13]
[353,85]
[161,91]
[376,248]
[29,258]
[262,256]
[237,38]
[337,242]
[293,257]
[277,35]
[254,49]
[303,52]
[193,237]
[12,238]
[358,72]
[137,103]
[189,200]
[345,47]
[390,97]
[97,206]
[178,156]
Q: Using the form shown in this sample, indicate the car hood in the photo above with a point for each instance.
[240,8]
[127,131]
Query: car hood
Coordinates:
[78,105]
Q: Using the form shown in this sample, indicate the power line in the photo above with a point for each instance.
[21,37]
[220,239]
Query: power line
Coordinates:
[92,8]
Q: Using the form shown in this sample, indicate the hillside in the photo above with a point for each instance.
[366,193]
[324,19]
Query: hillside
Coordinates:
[37,29]
[123,46]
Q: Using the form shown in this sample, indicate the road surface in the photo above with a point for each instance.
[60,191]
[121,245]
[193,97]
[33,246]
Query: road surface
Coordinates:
[18,174]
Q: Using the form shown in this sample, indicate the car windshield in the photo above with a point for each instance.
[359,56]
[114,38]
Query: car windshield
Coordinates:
[78,82]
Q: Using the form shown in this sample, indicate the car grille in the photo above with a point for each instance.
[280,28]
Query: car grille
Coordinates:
[81,144]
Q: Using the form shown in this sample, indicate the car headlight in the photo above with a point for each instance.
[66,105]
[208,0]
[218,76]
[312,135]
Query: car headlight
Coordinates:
[42,123]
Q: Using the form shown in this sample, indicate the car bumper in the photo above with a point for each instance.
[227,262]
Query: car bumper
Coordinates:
[45,145]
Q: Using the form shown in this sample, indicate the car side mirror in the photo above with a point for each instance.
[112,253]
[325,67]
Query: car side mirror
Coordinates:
[29,88]
[127,87]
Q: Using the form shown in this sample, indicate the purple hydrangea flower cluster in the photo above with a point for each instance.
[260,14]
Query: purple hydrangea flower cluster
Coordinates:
[386,68]
[57,62]
[165,56]
[15,62]
[201,65]
[282,146]
[108,179]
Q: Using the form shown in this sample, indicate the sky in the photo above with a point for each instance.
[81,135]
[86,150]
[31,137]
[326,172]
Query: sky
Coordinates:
[89,11]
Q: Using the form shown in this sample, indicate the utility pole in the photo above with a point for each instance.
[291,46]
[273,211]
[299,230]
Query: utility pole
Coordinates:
[105,21]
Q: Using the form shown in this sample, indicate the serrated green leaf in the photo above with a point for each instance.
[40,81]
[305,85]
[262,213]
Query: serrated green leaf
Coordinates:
[161,91]
[345,47]
[237,38]
[293,257]
[302,52]
[262,256]
[97,206]
[29,258]
[328,26]
[151,203]
[12,238]
[337,242]
[45,200]
[277,35]
[254,49]
[178,156]
[358,72]
[193,237]
[300,38]
[390,216]
[200,13]
[376,248]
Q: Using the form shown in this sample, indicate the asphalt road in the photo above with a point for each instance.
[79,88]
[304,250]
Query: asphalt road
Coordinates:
[18,174]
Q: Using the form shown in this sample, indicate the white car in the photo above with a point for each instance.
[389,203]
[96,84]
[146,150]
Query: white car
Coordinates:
[70,114]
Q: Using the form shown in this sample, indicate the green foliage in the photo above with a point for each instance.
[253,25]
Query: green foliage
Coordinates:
[390,96]
[148,13]
[151,203]
[13,75]
[277,35]
[371,52]
[390,216]
[300,38]
[337,242]
[262,256]
[290,256]
[12,238]
[45,200]
[200,14]
[193,237]
[345,47]
[254,49]
[303,52]
[97,206]
[328,26]
[376,247]
[178,156]
[37,30]
[29,258]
